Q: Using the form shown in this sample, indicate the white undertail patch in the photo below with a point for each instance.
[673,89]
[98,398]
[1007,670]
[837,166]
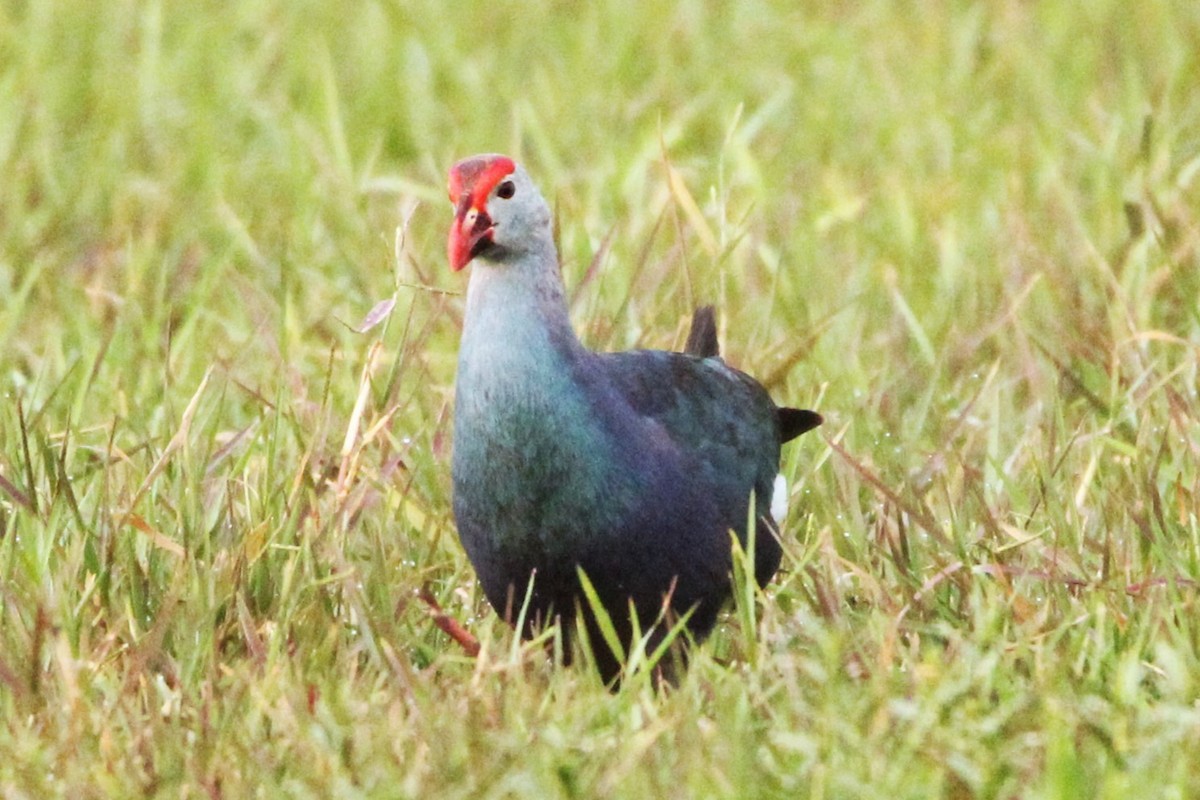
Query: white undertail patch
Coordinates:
[779,499]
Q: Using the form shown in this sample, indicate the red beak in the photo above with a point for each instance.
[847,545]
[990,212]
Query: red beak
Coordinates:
[470,234]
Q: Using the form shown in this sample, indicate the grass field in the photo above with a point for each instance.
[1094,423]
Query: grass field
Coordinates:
[967,233]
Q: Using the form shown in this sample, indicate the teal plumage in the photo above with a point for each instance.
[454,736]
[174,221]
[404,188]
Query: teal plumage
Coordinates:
[632,466]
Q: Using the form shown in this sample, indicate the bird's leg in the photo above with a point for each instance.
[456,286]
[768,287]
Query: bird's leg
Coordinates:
[448,624]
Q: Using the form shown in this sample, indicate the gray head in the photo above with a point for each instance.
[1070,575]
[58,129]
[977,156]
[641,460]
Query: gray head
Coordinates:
[498,213]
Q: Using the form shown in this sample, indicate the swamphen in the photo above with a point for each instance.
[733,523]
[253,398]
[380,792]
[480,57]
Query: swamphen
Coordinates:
[633,466]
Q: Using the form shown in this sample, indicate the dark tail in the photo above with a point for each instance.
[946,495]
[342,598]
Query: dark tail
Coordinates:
[702,342]
[702,339]
[795,421]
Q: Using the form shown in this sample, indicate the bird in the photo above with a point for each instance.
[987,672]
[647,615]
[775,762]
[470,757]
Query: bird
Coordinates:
[632,468]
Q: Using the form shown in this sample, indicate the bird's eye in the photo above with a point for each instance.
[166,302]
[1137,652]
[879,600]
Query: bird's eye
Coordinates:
[506,190]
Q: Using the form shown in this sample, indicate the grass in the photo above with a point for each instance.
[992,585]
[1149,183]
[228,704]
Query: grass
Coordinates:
[967,234]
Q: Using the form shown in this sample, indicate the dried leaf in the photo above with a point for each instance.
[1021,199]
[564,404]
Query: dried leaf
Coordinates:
[376,315]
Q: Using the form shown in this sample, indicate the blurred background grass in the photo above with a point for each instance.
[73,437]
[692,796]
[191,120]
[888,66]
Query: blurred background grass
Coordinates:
[966,232]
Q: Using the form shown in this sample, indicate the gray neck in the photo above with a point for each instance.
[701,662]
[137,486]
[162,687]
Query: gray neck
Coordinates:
[517,324]
[529,455]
